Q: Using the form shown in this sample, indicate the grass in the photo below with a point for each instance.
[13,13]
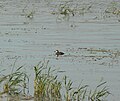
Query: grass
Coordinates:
[47,86]
[15,83]
[99,94]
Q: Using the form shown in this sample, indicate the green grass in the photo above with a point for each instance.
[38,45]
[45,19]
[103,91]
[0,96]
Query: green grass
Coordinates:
[15,83]
[47,86]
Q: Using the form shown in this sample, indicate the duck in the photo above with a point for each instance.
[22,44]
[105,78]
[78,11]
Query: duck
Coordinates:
[58,53]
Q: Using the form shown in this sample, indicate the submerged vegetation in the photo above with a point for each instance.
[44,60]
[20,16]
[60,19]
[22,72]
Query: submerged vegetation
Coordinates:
[66,9]
[113,9]
[101,56]
[47,86]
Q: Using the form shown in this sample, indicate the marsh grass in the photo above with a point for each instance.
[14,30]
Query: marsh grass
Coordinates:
[72,93]
[82,93]
[99,94]
[47,86]
[14,83]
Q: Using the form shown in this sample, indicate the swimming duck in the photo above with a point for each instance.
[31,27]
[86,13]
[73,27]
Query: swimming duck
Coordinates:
[58,53]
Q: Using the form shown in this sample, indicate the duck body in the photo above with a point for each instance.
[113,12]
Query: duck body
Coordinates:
[58,53]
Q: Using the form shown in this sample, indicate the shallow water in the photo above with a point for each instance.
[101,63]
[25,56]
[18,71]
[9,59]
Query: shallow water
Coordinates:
[28,41]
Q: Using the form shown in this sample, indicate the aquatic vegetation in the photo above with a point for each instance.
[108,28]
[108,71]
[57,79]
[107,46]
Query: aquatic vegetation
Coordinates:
[68,88]
[101,56]
[82,93]
[99,94]
[68,9]
[14,83]
[74,94]
[48,87]
[64,11]
[112,9]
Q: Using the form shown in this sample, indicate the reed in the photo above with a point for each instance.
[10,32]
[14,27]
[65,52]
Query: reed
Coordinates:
[99,94]
[47,86]
[15,83]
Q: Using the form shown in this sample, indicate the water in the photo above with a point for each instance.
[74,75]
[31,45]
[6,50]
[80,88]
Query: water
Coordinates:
[29,41]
